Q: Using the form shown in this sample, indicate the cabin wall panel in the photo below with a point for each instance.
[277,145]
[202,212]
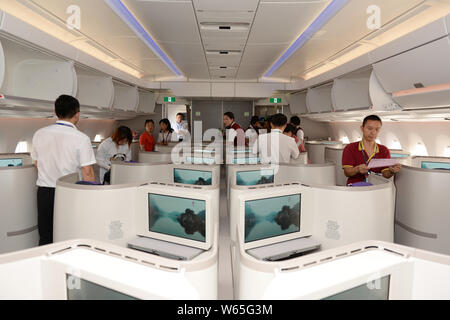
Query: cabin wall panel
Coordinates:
[14,130]
[434,135]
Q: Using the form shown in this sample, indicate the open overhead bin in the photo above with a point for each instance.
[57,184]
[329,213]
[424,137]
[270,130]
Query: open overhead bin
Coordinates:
[418,78]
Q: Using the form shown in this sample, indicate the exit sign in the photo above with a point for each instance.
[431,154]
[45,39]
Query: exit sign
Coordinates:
[275,100]
[169,99]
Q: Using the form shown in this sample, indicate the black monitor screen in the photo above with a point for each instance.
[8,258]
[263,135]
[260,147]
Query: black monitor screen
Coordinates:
[272,217]
[176,216]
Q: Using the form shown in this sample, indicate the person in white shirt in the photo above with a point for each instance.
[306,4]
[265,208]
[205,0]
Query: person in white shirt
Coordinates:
[58,150]
[166,133]
[181,128]
[253,131]
[116,147]
[275,147]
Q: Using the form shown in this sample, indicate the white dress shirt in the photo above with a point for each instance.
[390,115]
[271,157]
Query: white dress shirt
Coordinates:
[276,147]
[166,137]
[181,130]
[60,149]
[252,136]
[108,149]
[300,136]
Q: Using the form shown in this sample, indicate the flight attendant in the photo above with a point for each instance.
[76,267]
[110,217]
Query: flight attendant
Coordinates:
[235,131]
[58,150]
[116,147]
[147,140]
[165,134]
[357,155]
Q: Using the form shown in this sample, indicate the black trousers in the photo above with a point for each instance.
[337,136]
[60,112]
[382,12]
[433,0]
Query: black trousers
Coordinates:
[45,202]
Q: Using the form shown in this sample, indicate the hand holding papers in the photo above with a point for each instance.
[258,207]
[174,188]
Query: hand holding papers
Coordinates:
[378,163]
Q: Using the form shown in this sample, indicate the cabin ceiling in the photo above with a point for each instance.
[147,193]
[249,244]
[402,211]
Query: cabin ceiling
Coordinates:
[226,40]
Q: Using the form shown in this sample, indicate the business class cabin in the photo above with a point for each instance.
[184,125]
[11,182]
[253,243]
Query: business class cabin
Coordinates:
[224,149]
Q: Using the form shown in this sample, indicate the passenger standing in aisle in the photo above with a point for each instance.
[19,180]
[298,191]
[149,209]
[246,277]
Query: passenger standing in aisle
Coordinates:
[116,147]
[147,140]
[58,150]
[275,147]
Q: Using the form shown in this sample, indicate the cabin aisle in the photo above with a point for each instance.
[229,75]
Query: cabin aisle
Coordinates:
[225,286]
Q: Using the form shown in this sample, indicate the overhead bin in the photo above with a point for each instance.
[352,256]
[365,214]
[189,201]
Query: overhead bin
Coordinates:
[351,92]
[298,103]
[26,69]
[147,102]
[95,91]
[419,78]
[319,99]
[126,97]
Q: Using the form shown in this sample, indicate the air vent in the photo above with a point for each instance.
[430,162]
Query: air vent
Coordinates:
[223,67]
[398,21]
[225,26]
[418,85]
[219,52]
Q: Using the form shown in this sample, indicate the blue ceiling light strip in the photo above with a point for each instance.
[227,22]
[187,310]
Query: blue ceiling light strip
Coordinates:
[334,7]
[122,11]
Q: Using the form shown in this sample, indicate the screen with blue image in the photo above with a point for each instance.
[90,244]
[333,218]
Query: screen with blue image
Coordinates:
[199,160]
[249,160]
[272,217]
[195,177]
[435,165]
[176,216]
[16,162]
[399,155]
[255,177]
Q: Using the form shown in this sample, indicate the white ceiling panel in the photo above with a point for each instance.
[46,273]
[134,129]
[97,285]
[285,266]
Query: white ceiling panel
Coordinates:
[225,16]
[154,67]
[183,53]
[221,45]
[195,71]
[167,21]
[251,71]
[262,54]
[91,25]
[223,72]
[129,48]
[340,32]
[283,22]
[227,5]
[223,59]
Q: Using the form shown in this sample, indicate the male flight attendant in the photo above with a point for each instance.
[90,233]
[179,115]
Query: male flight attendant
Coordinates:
[236,133]
[357,155]
[58,150]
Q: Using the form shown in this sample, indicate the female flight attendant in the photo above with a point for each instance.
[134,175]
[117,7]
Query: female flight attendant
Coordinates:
[165,134]
[116,147]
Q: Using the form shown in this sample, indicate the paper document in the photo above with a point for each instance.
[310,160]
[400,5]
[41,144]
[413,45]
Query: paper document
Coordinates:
[378,163]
